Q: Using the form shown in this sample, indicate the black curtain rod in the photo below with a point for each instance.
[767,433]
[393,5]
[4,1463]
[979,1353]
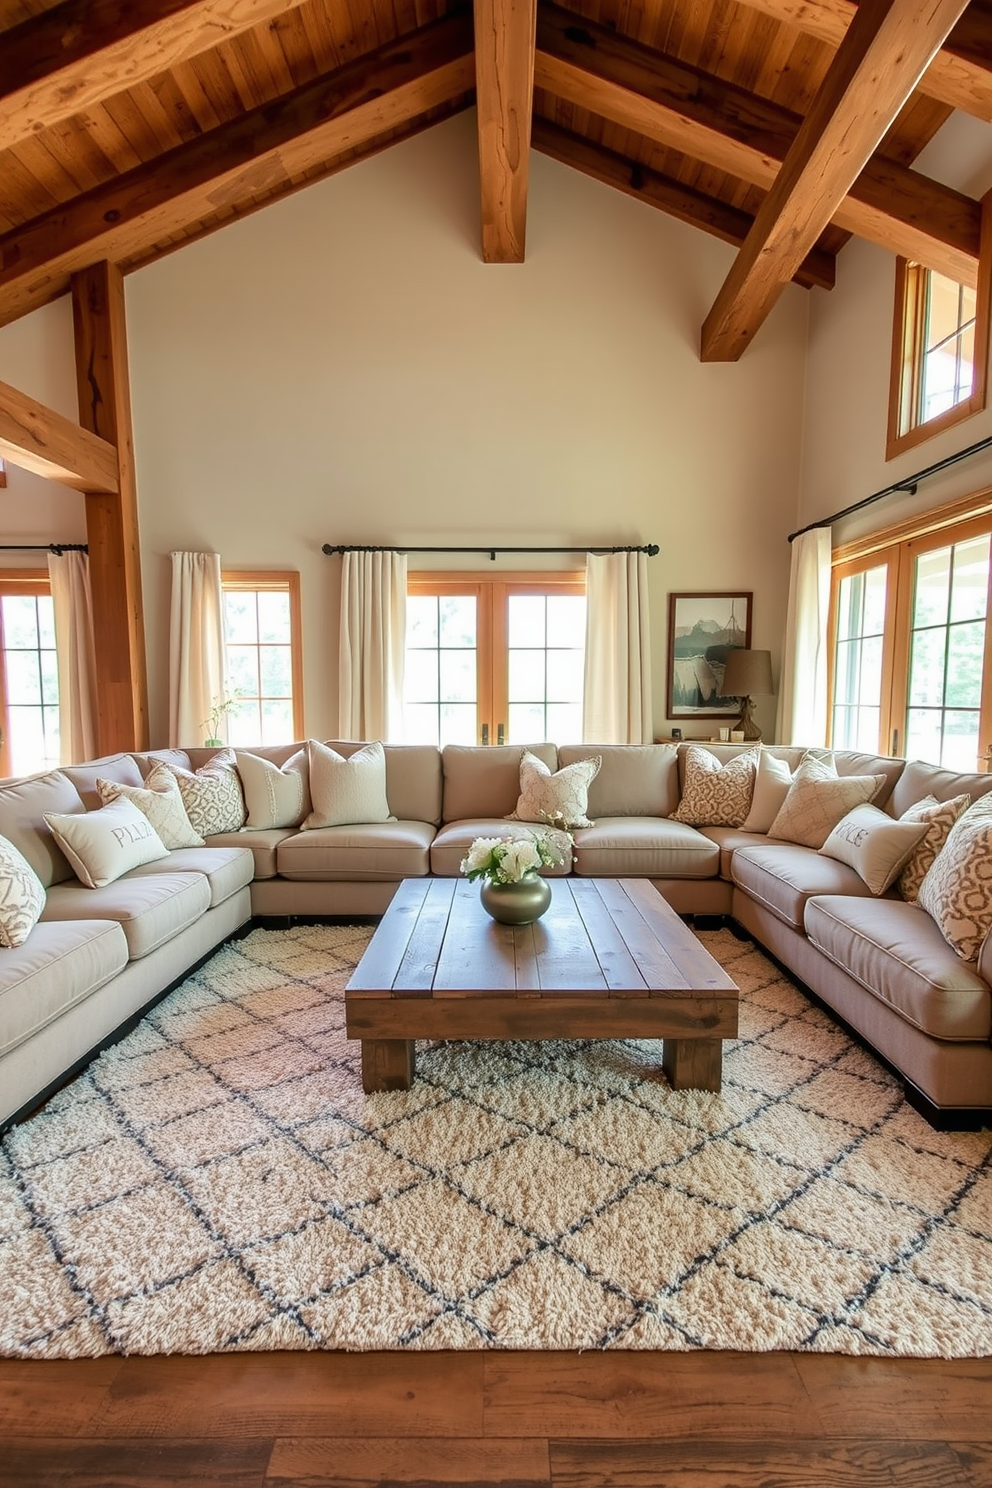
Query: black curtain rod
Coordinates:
[57,548]
[908,486]
[651,549]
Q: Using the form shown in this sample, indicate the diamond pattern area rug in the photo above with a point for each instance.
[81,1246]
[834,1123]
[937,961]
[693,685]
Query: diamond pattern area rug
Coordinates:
[219,1181]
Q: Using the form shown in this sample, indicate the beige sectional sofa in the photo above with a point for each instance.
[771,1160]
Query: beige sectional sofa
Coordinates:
[99,955]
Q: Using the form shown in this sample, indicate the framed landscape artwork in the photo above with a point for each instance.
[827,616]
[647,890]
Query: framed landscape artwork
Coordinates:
[702,628]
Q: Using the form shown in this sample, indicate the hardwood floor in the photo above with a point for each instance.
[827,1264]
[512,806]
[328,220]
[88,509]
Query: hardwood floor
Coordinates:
[626,1419]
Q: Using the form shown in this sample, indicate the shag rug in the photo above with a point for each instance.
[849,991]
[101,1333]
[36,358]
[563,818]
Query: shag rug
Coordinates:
[219,1181]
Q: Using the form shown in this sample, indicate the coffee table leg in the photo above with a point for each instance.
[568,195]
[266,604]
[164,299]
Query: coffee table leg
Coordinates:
[693,1064]
[388,1064]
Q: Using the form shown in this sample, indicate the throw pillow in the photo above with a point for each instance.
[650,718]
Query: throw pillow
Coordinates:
[771,786]
[275,796]
[344,791]
[939,817]
[161,801]
[874,845]
[103,844]
[560,798]
[818,798]
[715,794]
[957,889]
[212,794]
[22,896]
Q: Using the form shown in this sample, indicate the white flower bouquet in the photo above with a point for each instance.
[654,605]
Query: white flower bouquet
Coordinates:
[504,860]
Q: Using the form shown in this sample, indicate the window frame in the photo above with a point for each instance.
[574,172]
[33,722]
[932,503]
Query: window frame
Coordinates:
[282,581]
[16,581]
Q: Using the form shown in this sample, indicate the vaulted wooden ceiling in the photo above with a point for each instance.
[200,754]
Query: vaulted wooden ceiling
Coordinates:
[130,127]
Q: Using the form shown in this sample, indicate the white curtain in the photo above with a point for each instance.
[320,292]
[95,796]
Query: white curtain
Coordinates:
[802,700]
[69,574]
[373,646]
[196,645]
[617,707]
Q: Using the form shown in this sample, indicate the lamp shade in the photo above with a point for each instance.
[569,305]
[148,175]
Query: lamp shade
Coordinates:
[747,672]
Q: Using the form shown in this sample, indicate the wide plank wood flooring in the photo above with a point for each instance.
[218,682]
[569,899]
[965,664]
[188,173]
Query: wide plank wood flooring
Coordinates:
[517,1420]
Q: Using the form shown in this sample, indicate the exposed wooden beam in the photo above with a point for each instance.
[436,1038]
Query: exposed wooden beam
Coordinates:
[873,72]
[730,224]
[504,83]
[39,439]
[960,73]
[255,152]
[685,109]
[112,520]
[77,54]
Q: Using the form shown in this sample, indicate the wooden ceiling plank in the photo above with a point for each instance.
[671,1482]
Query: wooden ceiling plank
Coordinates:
[730,224]
[876,67]
[723,126]
[252,154]
[81,52]
[504,84]
[38,439]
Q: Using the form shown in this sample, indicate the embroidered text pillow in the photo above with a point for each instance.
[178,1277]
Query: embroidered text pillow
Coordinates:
[874,845]
[103,844]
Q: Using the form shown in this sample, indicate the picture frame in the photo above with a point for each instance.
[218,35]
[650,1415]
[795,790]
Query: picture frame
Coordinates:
[702,628]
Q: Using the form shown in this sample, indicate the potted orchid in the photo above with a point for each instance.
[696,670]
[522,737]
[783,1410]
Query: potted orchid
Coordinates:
[513,891]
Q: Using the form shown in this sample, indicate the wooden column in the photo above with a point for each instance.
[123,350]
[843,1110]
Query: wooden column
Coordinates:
[112,520]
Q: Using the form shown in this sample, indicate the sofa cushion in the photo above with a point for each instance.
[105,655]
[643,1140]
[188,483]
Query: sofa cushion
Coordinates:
[262,845]
[728,840]
[874,845]
[897,953]
[160,799]
[58,965]
[485,781]
[149,909]
[957,890]
[22,896]
[644,846]
[275,795]
[366,852]
[716,793]
[23,804]
[782,876]
[555,796]
[120,767]
[212,794]
[633,779]
[817,799]
[939,817]
[226,869]
[454,839]
[102,845]
[346,791]
[918,780]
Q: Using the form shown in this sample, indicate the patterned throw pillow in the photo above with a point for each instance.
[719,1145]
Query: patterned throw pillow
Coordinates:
[957,889]
[561,797]
[940,817]
[276,796]
[715,794]
[346,791]
[818,798]
[212,794]
[874,845]
[22,896]
[161,801]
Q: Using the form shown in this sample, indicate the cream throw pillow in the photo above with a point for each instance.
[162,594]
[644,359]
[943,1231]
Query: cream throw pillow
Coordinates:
[818,798]
[715,794]
[874,845]
[103,844]
[212,794]
[957,890]
[561,798]
[276,796]
[939,817]
[344,791]
[22,896]
[161,801]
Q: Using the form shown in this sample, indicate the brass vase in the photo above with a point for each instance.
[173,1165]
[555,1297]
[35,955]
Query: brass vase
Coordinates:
[516,903]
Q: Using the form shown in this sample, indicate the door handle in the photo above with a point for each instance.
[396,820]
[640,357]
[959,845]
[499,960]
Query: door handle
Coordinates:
[499,733]
[485,733]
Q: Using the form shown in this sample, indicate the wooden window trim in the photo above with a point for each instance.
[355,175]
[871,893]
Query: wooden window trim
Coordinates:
[281,581]
[906,363]
[15,581]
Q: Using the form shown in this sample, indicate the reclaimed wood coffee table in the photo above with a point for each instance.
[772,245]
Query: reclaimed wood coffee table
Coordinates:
[609,959]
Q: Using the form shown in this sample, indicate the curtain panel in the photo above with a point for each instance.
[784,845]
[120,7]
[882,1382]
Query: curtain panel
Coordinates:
[69,576]
[196,645]
[802,700]
[617,695]
[372,646]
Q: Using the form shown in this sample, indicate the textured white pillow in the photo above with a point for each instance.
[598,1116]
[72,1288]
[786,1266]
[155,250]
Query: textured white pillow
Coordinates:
[344,791]
[716,794]
[103,844]
[212,794]
[939,817]
[957,890]
[874,845]
[161,801]
[561,798]
[818,797]
[22,896]
[771,786]
[276,796]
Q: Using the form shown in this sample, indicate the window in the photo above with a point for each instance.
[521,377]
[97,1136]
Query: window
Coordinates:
[912,643]
[939,354]
[262,658]
[494,661]
[29,679]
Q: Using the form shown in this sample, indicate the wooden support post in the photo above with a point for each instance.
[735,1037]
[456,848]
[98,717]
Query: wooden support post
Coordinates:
[112,520]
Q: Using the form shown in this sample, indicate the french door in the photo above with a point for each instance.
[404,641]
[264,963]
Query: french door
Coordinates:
[29,679]
[494,661]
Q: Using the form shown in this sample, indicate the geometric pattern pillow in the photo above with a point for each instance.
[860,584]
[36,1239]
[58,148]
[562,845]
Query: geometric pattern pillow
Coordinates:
[957,890]
[715,794]
[561,798]
[818,799]
[161,801]
[22,896]
[940,817]
[212,794]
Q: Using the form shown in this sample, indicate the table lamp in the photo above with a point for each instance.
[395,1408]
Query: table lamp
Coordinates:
[747,672]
